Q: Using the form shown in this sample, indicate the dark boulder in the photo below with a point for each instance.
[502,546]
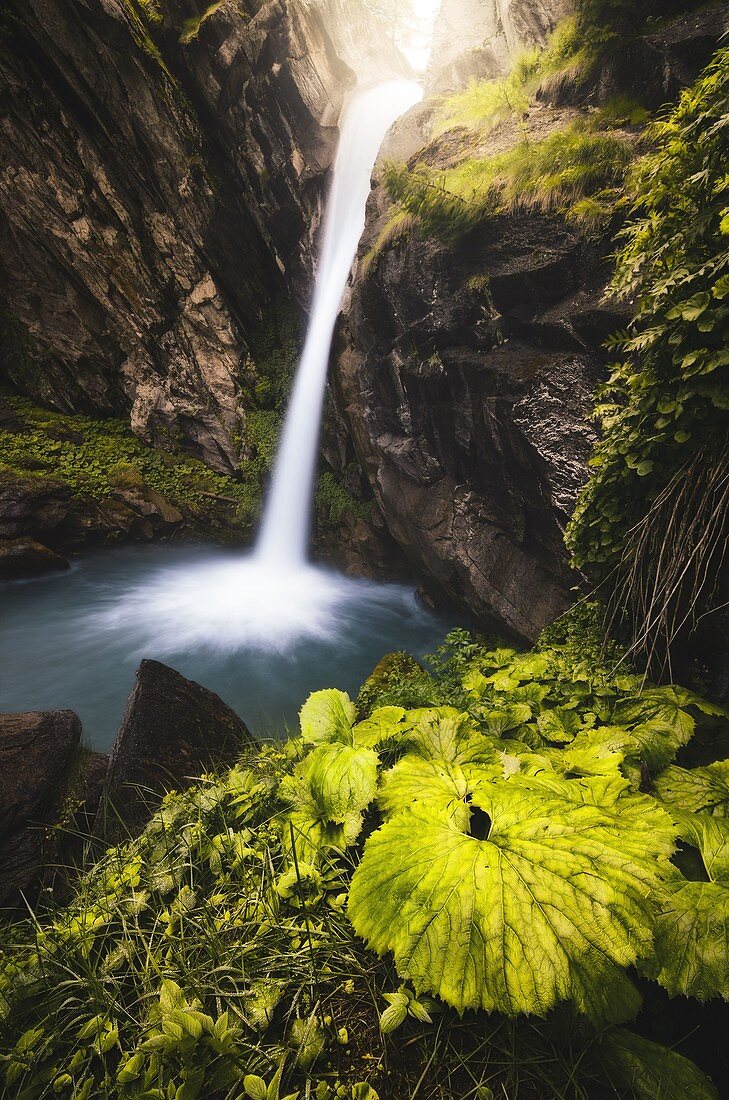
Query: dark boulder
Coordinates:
[38,751]
[27,558]
[172,730]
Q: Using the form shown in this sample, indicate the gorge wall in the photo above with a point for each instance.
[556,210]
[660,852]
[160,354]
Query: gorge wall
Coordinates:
[162,173]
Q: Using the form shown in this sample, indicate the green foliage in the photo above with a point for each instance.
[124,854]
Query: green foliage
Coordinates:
[334,501]
[552,175]
[496,839]
[515,920]
[653,515]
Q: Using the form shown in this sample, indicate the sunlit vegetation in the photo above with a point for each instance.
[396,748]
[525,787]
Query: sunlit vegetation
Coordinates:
[652,522]
[317,921]
[483,104]
[552,175]
[191,27]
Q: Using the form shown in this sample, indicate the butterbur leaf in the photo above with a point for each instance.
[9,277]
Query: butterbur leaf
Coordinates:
[327,716]
[447,735]
[560,726]
[332,782]
[384,724]
[698,790]
[691,950]
[548,901]
[652,1071]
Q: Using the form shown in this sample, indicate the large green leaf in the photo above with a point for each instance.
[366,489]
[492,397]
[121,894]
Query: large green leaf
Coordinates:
[327,716]
[444,734]
[659,718]
[652,1071]
[442,786]
[691,952]
[699,790]
[332,781]
[328,790]
[548,901]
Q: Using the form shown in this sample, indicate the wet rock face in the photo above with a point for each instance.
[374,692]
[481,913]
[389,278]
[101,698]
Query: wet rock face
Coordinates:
[37,752]
[155,198]
[466,378]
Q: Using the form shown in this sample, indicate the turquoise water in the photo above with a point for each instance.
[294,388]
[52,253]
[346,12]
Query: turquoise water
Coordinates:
[261,640]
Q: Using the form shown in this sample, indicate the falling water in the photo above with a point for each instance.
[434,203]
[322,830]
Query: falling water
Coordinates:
[263,628]
[284,531]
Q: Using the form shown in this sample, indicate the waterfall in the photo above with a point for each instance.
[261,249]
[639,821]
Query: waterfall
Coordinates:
[284,533]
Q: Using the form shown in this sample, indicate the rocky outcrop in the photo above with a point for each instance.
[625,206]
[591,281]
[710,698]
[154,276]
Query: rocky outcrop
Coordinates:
[37,754]
[36,510]
[466,376]
[172,730]
[161,179]
[28,558]
[478,38]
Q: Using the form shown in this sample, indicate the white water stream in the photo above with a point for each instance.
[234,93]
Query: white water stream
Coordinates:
[273,599]
[284,534]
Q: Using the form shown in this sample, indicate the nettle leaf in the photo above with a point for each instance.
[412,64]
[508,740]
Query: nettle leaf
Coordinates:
[539,900]
[698,790]
[652,1071]
[384,724]
[327,716]
[691,951]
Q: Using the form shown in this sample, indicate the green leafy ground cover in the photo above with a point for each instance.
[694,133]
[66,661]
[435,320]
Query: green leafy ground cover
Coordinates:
[93,457]
[455,887]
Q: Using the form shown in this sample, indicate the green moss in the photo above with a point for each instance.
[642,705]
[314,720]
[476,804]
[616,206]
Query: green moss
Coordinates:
[94,457]
[191,27]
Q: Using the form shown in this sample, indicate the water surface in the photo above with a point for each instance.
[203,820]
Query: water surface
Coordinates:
[263,639]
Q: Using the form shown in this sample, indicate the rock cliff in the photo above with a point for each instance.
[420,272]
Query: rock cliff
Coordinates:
[162,173]
[466,372]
